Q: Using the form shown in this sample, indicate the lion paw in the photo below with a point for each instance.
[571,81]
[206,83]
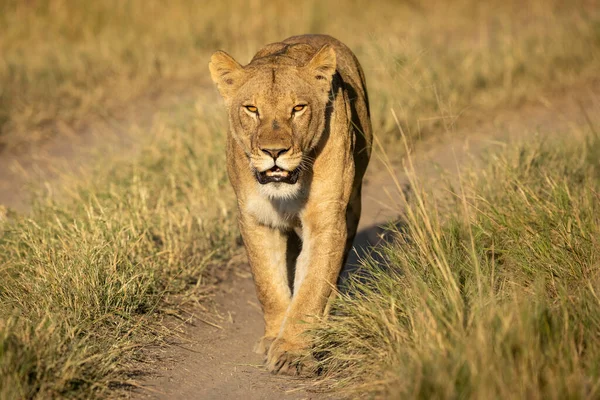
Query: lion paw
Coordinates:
[286,358]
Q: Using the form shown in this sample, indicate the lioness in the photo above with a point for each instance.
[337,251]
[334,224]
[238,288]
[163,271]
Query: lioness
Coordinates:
[298,146]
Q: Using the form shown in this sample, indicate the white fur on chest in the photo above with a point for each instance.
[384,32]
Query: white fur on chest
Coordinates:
[280,213]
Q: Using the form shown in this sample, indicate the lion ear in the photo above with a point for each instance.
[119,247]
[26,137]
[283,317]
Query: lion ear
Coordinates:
[322,65]
[226,73]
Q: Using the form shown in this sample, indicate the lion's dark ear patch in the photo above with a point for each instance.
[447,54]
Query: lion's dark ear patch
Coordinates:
[226,73]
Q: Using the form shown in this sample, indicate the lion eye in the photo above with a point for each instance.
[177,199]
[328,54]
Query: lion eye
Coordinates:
[299,107]
[252,109]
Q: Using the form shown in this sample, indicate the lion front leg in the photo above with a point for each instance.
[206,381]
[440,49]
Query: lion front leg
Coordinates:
[267,250]
[317,270]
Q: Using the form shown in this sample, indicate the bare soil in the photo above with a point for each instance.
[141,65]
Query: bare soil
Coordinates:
[212,358]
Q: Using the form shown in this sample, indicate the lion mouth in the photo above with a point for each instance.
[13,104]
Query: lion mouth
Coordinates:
[277,174]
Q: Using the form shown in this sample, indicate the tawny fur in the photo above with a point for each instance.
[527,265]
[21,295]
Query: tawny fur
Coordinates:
[329,140]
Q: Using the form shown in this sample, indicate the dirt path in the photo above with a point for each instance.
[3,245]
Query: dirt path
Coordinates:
[218,362]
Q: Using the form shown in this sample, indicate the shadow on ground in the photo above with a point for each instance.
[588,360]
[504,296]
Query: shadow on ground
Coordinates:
[368,245]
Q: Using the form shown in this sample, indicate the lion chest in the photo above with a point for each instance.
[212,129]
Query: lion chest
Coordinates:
[276,213]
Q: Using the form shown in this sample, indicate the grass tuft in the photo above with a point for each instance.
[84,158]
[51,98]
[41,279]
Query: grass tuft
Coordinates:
[497,299]
[81,278]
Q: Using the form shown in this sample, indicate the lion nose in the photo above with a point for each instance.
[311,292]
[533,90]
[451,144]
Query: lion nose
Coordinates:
[275,152]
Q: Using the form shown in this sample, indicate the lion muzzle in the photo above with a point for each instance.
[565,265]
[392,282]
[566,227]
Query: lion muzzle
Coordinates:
[278,175]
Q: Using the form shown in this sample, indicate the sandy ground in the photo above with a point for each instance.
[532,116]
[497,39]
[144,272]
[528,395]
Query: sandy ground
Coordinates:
[216,361]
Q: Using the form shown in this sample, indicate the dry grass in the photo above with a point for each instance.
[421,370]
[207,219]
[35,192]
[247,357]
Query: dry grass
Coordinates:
[84,279]
[64,61]
[81,277]
[492,296]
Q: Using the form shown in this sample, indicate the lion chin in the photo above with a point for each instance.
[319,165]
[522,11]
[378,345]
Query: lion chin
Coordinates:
[280,190]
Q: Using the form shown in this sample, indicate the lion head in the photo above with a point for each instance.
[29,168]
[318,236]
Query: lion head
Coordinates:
[277,109]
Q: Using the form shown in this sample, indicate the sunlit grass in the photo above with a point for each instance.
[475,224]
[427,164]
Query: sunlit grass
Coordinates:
[83,273]
[83,278]
[491,294]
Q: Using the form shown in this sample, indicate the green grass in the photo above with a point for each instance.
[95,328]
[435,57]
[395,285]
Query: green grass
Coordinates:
[493,294]
[83,279]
